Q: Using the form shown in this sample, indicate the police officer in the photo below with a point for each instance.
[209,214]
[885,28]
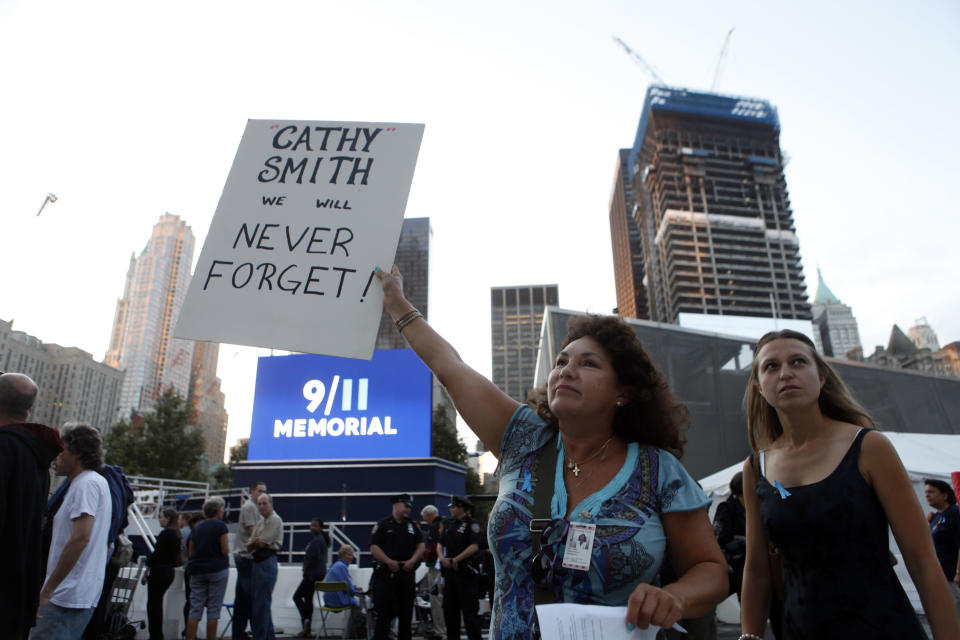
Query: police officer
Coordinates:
[460,540]
[396,545]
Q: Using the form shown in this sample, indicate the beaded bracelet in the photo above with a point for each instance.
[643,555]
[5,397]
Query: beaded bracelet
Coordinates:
[407,318]
[749,636]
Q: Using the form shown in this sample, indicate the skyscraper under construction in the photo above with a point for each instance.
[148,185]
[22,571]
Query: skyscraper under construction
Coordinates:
[709,199]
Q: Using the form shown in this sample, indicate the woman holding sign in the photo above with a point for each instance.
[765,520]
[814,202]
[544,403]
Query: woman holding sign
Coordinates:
[592,496]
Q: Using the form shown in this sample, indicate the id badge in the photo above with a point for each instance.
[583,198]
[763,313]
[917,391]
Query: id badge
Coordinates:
[579,549]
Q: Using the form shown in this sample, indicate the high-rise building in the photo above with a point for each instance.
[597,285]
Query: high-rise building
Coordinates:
[152,359]
[627,250]
[73,387]
[413,260]
[207,400]
[516,315]
[716,228]
[834,323]
[923,335]
[120,317]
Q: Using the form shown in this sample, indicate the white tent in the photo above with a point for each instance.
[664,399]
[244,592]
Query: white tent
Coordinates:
[924,455]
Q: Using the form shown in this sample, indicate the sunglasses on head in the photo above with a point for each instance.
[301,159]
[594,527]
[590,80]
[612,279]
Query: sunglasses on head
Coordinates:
[552,532]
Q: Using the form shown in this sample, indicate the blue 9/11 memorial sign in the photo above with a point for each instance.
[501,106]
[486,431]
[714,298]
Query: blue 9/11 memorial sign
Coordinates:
[312,407]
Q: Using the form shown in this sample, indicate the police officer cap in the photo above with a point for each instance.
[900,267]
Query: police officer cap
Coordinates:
[404,498]
[463,503]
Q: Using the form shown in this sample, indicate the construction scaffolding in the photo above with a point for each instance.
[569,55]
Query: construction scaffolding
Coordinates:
[712,208]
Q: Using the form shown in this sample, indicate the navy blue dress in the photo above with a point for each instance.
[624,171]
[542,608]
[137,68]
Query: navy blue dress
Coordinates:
[832,540]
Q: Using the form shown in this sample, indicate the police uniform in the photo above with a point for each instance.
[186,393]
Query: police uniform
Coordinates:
[461,589]
[393,592]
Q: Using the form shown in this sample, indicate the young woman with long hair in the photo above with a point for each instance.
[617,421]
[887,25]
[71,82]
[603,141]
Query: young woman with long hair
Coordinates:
[162,564]
[820,490]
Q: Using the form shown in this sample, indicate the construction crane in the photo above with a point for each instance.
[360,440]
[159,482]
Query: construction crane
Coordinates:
[50,198]
[653,72]
[721,60]
[639,60]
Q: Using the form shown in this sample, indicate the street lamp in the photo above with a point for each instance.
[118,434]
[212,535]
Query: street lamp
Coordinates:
[50,198]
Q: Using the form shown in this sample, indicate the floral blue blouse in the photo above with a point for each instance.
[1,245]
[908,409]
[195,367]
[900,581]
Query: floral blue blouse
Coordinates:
[629,543]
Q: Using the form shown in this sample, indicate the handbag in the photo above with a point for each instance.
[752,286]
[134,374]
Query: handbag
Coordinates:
[263,553]
[122,551]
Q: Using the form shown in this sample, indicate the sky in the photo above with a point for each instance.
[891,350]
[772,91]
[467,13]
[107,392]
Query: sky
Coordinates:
[129,110]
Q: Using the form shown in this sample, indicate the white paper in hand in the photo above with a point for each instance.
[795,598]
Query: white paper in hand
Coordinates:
[588,622]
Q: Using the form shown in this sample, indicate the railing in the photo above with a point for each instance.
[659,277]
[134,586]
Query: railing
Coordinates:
[136,517]
[151,493]
[338,538]
[167,484]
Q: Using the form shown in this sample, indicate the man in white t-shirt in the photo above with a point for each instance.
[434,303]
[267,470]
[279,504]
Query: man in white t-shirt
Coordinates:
[78,549]
[243,596]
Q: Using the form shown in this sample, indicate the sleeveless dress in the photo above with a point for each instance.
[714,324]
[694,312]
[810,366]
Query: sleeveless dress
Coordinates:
[833,545]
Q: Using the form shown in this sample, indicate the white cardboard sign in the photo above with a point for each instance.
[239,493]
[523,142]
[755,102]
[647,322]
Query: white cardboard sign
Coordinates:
[308,211]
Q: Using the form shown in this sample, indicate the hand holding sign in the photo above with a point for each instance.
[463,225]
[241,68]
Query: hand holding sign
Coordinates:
[308,211]
[392,286]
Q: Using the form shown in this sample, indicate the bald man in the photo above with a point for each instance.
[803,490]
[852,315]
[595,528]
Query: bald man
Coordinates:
[26,452]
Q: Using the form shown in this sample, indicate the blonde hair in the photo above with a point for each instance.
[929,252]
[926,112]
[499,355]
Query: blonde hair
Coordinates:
[346,550]
[835,401]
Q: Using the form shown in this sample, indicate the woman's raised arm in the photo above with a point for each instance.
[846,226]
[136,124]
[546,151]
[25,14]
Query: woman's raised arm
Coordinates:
[482,404]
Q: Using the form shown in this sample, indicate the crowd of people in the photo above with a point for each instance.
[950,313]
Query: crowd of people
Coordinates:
[200,543]
[594,508]
[65,548]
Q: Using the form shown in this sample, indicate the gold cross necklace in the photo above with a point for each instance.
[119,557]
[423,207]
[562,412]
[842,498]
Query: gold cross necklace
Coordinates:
[575,466]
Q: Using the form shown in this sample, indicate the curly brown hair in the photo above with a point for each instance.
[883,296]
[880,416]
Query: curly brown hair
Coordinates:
[654,415]
[835,401]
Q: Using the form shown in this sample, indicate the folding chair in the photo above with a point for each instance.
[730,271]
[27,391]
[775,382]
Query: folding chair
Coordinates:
[322,587]
[229,626]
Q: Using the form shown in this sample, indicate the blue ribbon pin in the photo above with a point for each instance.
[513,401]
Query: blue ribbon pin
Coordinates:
[526,481]
[784,494]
